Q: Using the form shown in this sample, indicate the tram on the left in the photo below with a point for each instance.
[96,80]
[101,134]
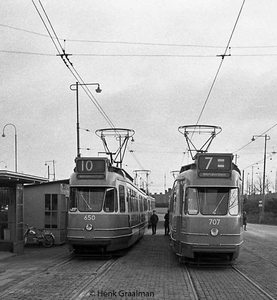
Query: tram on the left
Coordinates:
[107,211]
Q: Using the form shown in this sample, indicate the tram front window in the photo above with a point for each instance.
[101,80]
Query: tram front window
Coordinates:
[92,199]
[214,201]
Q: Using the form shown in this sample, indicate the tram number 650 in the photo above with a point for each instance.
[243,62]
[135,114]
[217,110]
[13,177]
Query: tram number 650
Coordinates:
[214,221]
[89,217]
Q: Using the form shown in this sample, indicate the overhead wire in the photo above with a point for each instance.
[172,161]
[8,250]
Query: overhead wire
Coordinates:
[218,69]
[139,55]
[140,43]
[220,65]
[65,58]
[257,137]
[72,69]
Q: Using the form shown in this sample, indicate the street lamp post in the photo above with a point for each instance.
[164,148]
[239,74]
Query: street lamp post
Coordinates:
[15,143]
[74,87]
[48,169]
[252,184]
[266,138]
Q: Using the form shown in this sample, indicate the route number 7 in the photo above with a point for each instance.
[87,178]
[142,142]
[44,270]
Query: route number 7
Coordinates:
[209,162]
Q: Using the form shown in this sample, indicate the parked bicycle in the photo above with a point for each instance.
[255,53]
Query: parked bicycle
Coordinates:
[40,236]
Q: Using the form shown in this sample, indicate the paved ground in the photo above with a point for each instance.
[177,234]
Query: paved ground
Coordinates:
[149,270]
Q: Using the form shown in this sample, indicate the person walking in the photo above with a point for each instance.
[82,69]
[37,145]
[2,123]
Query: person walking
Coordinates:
[166,223]
[154,219]
[244,218]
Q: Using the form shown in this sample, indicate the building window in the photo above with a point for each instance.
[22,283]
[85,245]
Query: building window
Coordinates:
[51,211]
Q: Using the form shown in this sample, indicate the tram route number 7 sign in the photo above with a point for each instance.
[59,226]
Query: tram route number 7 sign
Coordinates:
[214,162]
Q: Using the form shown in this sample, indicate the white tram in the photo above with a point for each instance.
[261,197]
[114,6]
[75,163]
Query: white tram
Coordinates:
[107,212]
[206,209]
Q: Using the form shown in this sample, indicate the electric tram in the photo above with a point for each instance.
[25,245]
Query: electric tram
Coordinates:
[206,206]
[107,211]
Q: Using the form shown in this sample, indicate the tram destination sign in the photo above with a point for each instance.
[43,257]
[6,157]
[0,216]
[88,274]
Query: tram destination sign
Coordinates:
[214,165]
[91,166]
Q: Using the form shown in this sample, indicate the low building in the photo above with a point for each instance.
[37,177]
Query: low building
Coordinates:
[45,206]
[12,186]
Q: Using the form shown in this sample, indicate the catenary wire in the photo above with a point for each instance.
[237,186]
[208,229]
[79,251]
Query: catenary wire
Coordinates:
[139,55]
[258,136]
[142,43]
[220,65]
[67,62]
[74,72]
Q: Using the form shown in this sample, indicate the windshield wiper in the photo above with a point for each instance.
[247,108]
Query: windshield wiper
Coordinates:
[215,210]
[86,202]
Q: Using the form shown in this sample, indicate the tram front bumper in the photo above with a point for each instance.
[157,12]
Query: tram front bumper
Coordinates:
[191,250]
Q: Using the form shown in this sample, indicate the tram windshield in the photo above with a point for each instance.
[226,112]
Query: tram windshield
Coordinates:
[93,199]
[212,201]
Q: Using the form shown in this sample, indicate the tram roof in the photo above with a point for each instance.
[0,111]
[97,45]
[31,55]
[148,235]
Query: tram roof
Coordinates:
[193,166]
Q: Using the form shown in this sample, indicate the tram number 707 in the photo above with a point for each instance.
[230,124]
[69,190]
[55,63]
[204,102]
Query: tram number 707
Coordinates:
[214,221]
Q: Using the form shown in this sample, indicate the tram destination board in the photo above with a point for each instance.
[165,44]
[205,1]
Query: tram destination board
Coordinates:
[214,165]
[93,168]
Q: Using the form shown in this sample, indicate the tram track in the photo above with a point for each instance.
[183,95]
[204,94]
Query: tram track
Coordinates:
[223,282]
[86,289]
[74,273]
[30,279]
[262,291]
[188,278]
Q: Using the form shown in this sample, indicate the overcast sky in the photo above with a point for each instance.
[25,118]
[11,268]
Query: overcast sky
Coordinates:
[155,63]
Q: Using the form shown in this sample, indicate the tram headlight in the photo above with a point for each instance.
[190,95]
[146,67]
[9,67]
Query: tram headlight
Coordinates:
[89,227]
[214,231]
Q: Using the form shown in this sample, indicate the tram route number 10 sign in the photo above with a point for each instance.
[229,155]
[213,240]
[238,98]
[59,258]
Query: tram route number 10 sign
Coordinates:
[90,165]
[215,162]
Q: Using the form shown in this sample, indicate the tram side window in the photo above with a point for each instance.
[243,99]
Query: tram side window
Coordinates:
[174,203]
[234,202]
[135,199]
[140,204]
[145,204]
[122,198]
[191,201]
[110,204]
[129,200]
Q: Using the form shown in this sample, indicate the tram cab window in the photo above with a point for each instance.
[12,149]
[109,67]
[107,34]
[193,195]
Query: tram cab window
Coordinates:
[191,201]
[87,198]
[214,201]
[93,199]
[234,202]
[110,204]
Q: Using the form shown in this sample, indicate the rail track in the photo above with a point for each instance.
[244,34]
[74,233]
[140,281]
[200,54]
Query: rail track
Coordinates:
[252,283]
[86,290]
[212,283]
[68,279]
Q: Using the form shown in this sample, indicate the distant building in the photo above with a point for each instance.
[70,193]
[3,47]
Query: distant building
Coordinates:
[162,199]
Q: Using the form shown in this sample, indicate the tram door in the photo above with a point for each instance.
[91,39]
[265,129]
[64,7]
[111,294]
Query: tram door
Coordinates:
[176,219]
[180,196]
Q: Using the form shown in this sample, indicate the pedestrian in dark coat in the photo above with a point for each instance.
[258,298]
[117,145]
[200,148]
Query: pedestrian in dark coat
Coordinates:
[154,219]
[244,218]
[166,223]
